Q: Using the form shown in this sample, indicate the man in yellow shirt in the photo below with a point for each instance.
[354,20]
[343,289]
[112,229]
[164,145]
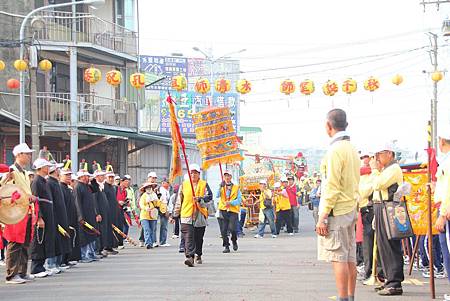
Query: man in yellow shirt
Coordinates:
[387,176]
[337,209]
[283,208]
[266,213]
[442,196]
[230,199]
[193,213]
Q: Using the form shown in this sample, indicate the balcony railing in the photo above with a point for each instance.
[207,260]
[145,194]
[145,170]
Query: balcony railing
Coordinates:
[54,109]
[56,26]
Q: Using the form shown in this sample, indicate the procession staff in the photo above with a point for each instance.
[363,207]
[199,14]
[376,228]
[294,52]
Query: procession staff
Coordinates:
[87,212]
[387,176]
[20,235]
[229,206]
[194,214]
[72,218]
[43,246]
[337,209]
[62,238]
[114,210]
[283,208]
[266,213]
[442,197]
[105,227]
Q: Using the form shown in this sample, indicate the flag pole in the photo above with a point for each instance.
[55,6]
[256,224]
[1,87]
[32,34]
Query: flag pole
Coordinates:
[183,148]
[430,230]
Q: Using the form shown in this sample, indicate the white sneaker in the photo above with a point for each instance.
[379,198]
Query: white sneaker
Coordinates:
[54,271]
[155,245]
[120,247]
[40,275]
[257,236]
[2,263]
[447,297]
[174,236]
[165,245]
[141,244]
[291,234]
[64,268]
[274,236]
[15,280]
[28,278]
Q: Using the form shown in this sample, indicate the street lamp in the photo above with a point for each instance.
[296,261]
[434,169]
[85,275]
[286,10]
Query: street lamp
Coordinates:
[22,50]
[212,61]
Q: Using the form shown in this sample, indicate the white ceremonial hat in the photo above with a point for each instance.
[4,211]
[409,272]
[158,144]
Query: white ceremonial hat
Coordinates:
[387,146]
[21,148]
[39,163]
[195,167]
[55,166]
[152,174]
[110,174]
[99,173]
[83,173]
[66,171]
[227,172]
[277,185]
[117,178]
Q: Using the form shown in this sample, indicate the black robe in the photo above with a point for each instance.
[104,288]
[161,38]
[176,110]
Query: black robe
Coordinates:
[103,209]
[86,210]
[72,218]
[114,212]
[63,243]
[42,249]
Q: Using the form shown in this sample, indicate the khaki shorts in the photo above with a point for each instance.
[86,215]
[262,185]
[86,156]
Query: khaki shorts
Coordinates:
[340,244]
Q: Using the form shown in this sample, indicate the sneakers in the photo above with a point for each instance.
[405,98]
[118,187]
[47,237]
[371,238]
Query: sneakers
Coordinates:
[437,274]
[175,236]
[72,263]
[54,271]
[112,252]
[291,234]
[15,280]
[89,260]
[447,297]
[226,250]
[40,275]
[165,245]
[235,246]
[391,291]
[198,260]
[274,236]
[141,244]
[149,247]
[189,262]
[181,251]
[155,245]
[63,268]
[120,247]
[257,236]
[28,278]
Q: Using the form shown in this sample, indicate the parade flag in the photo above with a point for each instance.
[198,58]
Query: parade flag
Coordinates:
[175,169]
[433,163]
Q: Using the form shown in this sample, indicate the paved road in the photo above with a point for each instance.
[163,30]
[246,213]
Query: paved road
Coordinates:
[263,269]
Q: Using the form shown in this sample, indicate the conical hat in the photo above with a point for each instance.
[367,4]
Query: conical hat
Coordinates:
[13,204]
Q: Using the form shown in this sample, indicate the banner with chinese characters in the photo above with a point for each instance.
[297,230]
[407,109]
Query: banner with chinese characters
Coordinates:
[163,66]
[188,103]
[417,202]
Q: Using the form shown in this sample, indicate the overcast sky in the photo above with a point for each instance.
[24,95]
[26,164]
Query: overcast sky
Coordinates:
[379,38]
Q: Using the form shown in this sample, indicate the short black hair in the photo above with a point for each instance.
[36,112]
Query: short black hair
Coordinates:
[337,119]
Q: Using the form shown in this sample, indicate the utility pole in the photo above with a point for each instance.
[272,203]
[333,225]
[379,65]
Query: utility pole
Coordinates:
[74,93]
[434,62]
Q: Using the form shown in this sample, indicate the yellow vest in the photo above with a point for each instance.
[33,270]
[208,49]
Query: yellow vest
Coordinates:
[233,196]
[187,208]
[282,203]
[109,168]
[262,197]
[146,202]
[68,164]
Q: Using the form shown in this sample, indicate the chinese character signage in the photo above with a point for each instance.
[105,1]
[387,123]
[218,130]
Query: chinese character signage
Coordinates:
[191,102]
[164,66]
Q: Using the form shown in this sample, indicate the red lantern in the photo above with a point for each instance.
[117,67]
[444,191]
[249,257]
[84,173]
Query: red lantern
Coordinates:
[92,75]
[114,77]
[137,80]
[179,83]
[287,87]
[330,88]
[13,83]
[307,87]
[243,86]
[202,86]
[223,85]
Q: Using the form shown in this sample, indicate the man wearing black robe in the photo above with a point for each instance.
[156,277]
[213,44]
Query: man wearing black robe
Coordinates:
[63,242]
[43,245]
[72,217]
[114,210]
[87,216]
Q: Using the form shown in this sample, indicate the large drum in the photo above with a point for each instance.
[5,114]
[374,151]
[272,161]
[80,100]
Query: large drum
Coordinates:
[216,137]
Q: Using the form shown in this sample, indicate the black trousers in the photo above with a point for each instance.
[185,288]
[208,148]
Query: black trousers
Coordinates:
[368,235]
[284,218]
[193,240]
[228,224]
[390,251]
[176,231]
